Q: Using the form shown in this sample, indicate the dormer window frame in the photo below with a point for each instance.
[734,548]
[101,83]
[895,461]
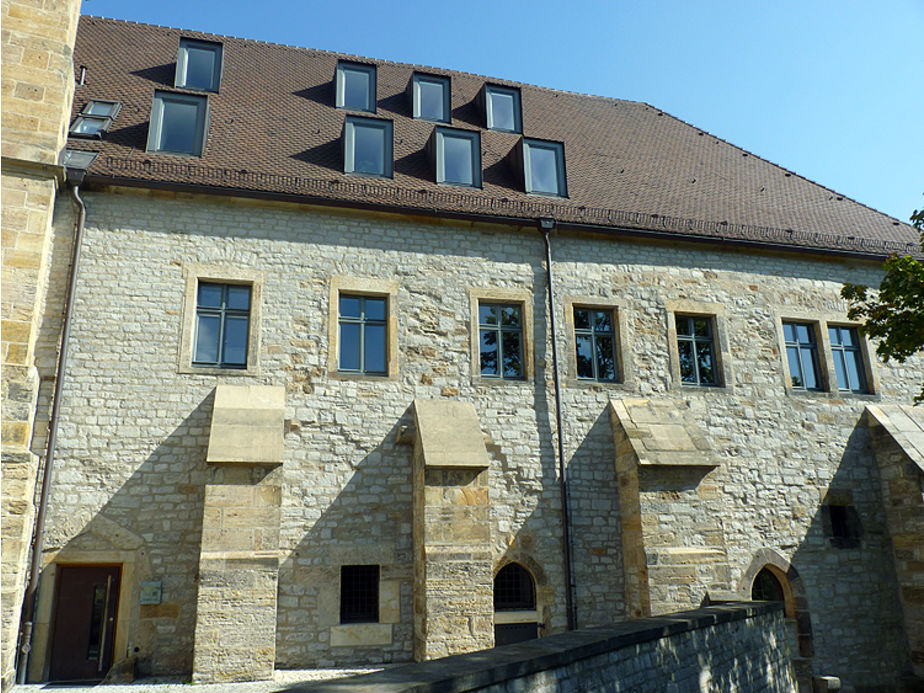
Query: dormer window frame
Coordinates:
[103,120]
[156,126]
[444,83]
[345,67]
[182,64]
[350,127]
[529,146]
[514,93]
[440,135]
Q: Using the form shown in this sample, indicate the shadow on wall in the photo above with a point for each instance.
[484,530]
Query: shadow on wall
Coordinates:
[156,514]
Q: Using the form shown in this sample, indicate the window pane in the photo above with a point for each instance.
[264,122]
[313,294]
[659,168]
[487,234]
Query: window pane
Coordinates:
[803,334]
[606,363]
[210,295]
[235,341]
[374,349]
[457,160]
[200,67]
[585,355]
[795,367]
[430,100]
[582,318]
[701,327]
[687,367]
[840,369]
[488,352]
[356,89]
[856,379]
[375,308]
[207,327]
[349,306]
[502,111]
[543,169]
[510,316]
[684,325]
[603,321]
[368,149]
[239,297]
[513,362]
[349,346]
[705,363]
[809,369]
[178,126]
[487,314]
[99,108]
[87,126]
[789,332]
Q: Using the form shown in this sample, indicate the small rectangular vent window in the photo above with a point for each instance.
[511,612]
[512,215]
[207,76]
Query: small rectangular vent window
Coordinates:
[95,119]
[198,65]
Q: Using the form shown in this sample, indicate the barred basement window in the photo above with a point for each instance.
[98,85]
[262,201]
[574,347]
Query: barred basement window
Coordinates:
[696,349]
[222,325]
[359,594]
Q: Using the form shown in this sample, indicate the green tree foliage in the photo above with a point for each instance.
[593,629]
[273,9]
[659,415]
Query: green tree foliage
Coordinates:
[894,315]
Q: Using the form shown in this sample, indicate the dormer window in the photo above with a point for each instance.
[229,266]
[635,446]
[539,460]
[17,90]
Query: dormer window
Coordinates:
[178,123]
[367,147]
[356,87]
[502,108]
[544,167]
[431,97]
[198,65]
[457,155]
[95,118]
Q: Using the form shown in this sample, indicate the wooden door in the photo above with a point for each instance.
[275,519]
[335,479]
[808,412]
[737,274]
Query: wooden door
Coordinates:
[86,600]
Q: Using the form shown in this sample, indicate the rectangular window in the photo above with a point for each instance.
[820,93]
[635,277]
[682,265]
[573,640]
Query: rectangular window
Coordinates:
[178,123]
[502,108]
[363,334]
[595,344]
[368,147]
[696,350]
[458,157]
[431,98]
[359,594]
[222,325]
[802,355]
[848,360]
[198,65]
[544,167]
[356,87]
[500,330]
[95,118]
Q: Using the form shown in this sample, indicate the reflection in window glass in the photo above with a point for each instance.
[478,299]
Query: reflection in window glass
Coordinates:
[363,334]
[356,87]
[177,123]
[544,167]
[198,65]
[802,355]
[222,325]
[368,147]
[458,157]
[595,344]
[431,98]
[501,341]
[503,108]
[848,361]
[696,350]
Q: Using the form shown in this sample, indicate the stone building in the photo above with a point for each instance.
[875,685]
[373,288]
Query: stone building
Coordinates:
[370,362]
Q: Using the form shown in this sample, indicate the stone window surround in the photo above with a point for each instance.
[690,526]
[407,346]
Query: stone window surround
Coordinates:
[522,297]
[716,312]
[820,323]
[361,634]
[195,272]
[625,370]
[364,286]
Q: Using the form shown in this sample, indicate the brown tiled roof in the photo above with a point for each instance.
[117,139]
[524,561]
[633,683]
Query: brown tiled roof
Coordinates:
[274,130]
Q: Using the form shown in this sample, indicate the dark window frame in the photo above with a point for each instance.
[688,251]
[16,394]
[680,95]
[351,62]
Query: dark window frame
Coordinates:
[349,145]
[363,322]
[444,83]
[489,107]
[344,67]
[359,593]
[592,333]
[697,342]
[498,329]
[474,139]
[180,80]
[531,144]
[223,313]
[802,349]
[156,126]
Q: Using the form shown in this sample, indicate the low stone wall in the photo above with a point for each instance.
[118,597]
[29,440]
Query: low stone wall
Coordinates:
[737,646]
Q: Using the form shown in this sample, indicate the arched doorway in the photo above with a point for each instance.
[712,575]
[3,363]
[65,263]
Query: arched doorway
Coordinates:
[515,615]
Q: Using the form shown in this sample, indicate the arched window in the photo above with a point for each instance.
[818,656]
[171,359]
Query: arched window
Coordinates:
[515,616]
[767,588]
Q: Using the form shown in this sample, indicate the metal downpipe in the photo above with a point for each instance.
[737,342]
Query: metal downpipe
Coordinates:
[31,597]
[546,226]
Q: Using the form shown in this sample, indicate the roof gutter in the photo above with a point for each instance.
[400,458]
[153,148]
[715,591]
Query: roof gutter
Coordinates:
[74,178]
[545,227]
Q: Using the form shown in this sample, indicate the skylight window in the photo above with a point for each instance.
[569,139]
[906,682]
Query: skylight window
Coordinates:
[544,167]
[356,87]
[431,98]
[502,108]
[95,118]
[458,157]
[367,147]
[178,123]
[198,65]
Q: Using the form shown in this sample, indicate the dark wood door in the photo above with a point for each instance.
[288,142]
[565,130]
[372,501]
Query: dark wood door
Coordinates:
[85,616]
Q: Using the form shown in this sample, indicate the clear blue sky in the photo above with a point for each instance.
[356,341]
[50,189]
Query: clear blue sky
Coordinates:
[833,90]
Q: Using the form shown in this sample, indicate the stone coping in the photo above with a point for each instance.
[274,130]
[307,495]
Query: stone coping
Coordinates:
[488,667]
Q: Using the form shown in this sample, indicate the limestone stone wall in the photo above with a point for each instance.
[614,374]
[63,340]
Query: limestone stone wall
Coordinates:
[134,430]
[38,86]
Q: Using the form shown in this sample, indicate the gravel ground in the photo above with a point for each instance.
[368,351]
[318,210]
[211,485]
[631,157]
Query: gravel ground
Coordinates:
[281,679]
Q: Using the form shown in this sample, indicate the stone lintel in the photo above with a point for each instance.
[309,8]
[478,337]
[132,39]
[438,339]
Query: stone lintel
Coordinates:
[247,424]
[448,434]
